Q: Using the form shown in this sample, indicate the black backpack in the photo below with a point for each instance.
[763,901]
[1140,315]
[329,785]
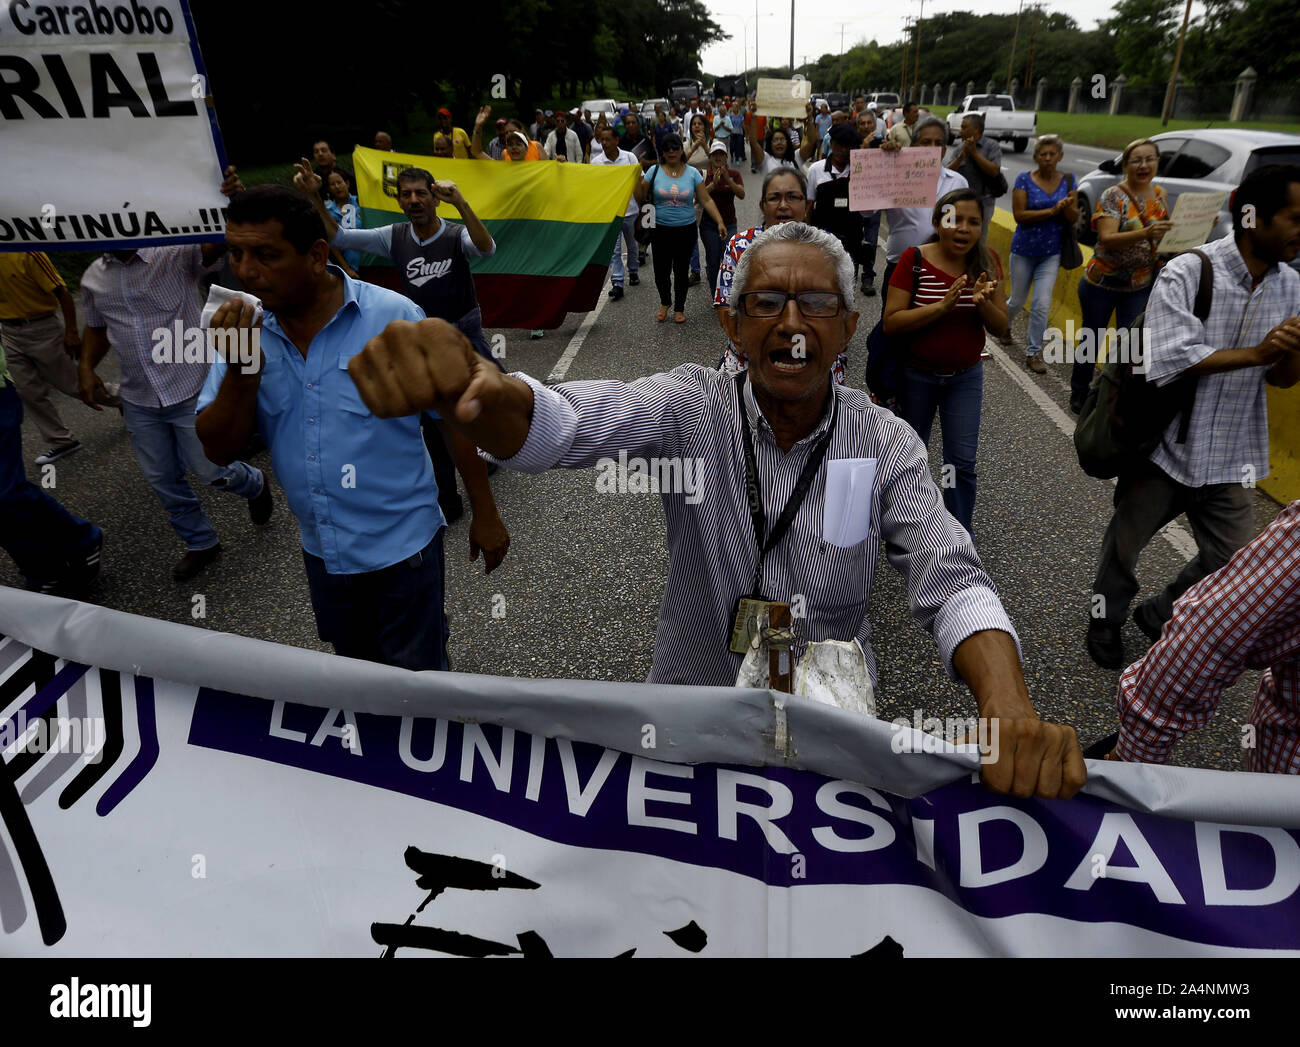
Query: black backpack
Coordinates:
[885,360]
[1124,416]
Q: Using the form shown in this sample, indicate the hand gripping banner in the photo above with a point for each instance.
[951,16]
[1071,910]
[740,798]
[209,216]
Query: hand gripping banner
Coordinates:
[166,790]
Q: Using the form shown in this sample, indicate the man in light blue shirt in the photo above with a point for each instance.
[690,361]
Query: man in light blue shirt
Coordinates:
[362,487]
[913,226]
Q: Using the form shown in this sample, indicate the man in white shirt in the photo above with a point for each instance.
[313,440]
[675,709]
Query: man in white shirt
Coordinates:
[563,143]
[912,226]
[610,153]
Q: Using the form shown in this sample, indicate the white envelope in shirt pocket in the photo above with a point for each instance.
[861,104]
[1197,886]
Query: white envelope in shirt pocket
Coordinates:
[846,514]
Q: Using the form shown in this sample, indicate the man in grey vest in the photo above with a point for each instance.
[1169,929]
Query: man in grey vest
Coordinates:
[432,261]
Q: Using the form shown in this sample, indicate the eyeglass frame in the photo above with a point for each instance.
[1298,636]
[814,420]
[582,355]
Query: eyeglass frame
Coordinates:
[839,298]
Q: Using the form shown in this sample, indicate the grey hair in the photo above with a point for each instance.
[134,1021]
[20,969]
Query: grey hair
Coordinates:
[929,121]
[796,233]
[975,118]
[1052,140]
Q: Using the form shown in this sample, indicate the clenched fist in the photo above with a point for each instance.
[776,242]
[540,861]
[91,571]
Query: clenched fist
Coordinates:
[427,365]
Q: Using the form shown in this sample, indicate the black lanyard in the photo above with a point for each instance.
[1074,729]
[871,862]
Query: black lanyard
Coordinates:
[754,494]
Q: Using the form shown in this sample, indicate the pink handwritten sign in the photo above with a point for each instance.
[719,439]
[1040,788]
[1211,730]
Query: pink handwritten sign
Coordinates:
[902,178]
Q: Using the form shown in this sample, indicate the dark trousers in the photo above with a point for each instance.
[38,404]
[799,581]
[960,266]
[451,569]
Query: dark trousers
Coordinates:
[672,246]
[45,540]
[444,467]
[1222,517]
[713,248]
[1095,307]
[865,256]
[394,615]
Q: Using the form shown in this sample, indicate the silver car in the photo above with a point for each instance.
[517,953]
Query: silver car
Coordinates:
[1197,161]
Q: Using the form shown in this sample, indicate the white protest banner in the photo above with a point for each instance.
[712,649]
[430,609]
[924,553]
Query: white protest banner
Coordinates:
[240,798]
[1194,216]
[787,99]
[895,178]
[106,137]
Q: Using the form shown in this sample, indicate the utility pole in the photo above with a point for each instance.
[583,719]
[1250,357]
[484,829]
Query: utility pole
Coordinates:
[902,86]
[1033,36]
[917,68]
[1016,36]
[1173,76]
[840,83]
[792,39]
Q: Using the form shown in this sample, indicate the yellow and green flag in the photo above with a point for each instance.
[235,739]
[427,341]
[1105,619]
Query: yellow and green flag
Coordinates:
[554,225]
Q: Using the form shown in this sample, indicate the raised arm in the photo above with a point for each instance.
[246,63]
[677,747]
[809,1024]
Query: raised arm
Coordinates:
[751,125]
[307,182]
[225,424]
[476,138]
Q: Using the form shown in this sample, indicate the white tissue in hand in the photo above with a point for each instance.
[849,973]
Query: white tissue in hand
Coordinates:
[218,296]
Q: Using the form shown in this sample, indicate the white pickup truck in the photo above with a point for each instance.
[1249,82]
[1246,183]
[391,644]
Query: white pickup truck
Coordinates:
[1002,120]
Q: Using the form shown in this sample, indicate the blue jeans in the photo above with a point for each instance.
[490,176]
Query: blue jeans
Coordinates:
[1041,272]
[628,236]
[393,615]
[1095,305]
[713,247]
[44,539]
[695,256]
[958,400]
[165,443]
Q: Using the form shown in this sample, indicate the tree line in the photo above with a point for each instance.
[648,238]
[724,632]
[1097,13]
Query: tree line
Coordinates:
[343,73]
[1138,40]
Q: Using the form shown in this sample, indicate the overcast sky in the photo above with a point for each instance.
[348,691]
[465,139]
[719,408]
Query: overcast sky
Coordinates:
[818,23]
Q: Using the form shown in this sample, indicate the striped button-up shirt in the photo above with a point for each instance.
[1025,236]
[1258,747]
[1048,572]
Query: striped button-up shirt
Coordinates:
[1245,616]
[690,417]
[151,292]
[1227,440]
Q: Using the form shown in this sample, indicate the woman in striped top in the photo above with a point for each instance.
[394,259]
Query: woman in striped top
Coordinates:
[943,296]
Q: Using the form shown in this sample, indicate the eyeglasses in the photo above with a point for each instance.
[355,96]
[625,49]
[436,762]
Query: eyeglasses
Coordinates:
[776,198]
[815,305]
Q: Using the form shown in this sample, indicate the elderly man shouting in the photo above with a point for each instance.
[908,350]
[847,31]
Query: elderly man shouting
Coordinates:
[778,446]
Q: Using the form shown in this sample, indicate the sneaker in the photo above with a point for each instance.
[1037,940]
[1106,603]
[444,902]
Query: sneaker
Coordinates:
[633,280]
[55,453]
[693,279]
[85,568]
[1146,619]
[1105,644]
[616,292]
[1035,363]
[869,289]
[82,571]
[260,505]
[194,561]
[1076,402]
[536,333]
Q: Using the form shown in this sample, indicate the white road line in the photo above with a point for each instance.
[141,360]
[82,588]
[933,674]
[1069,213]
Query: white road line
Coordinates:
[561,367]
[1174,533]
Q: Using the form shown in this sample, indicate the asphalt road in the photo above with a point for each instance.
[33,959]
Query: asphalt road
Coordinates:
[581,587]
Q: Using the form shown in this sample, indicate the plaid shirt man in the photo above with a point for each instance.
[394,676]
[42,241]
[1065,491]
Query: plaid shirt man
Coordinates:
[1245,616]
[133,299]
[1227,441]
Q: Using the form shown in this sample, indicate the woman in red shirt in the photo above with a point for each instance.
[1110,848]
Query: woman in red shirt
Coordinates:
[936,317]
